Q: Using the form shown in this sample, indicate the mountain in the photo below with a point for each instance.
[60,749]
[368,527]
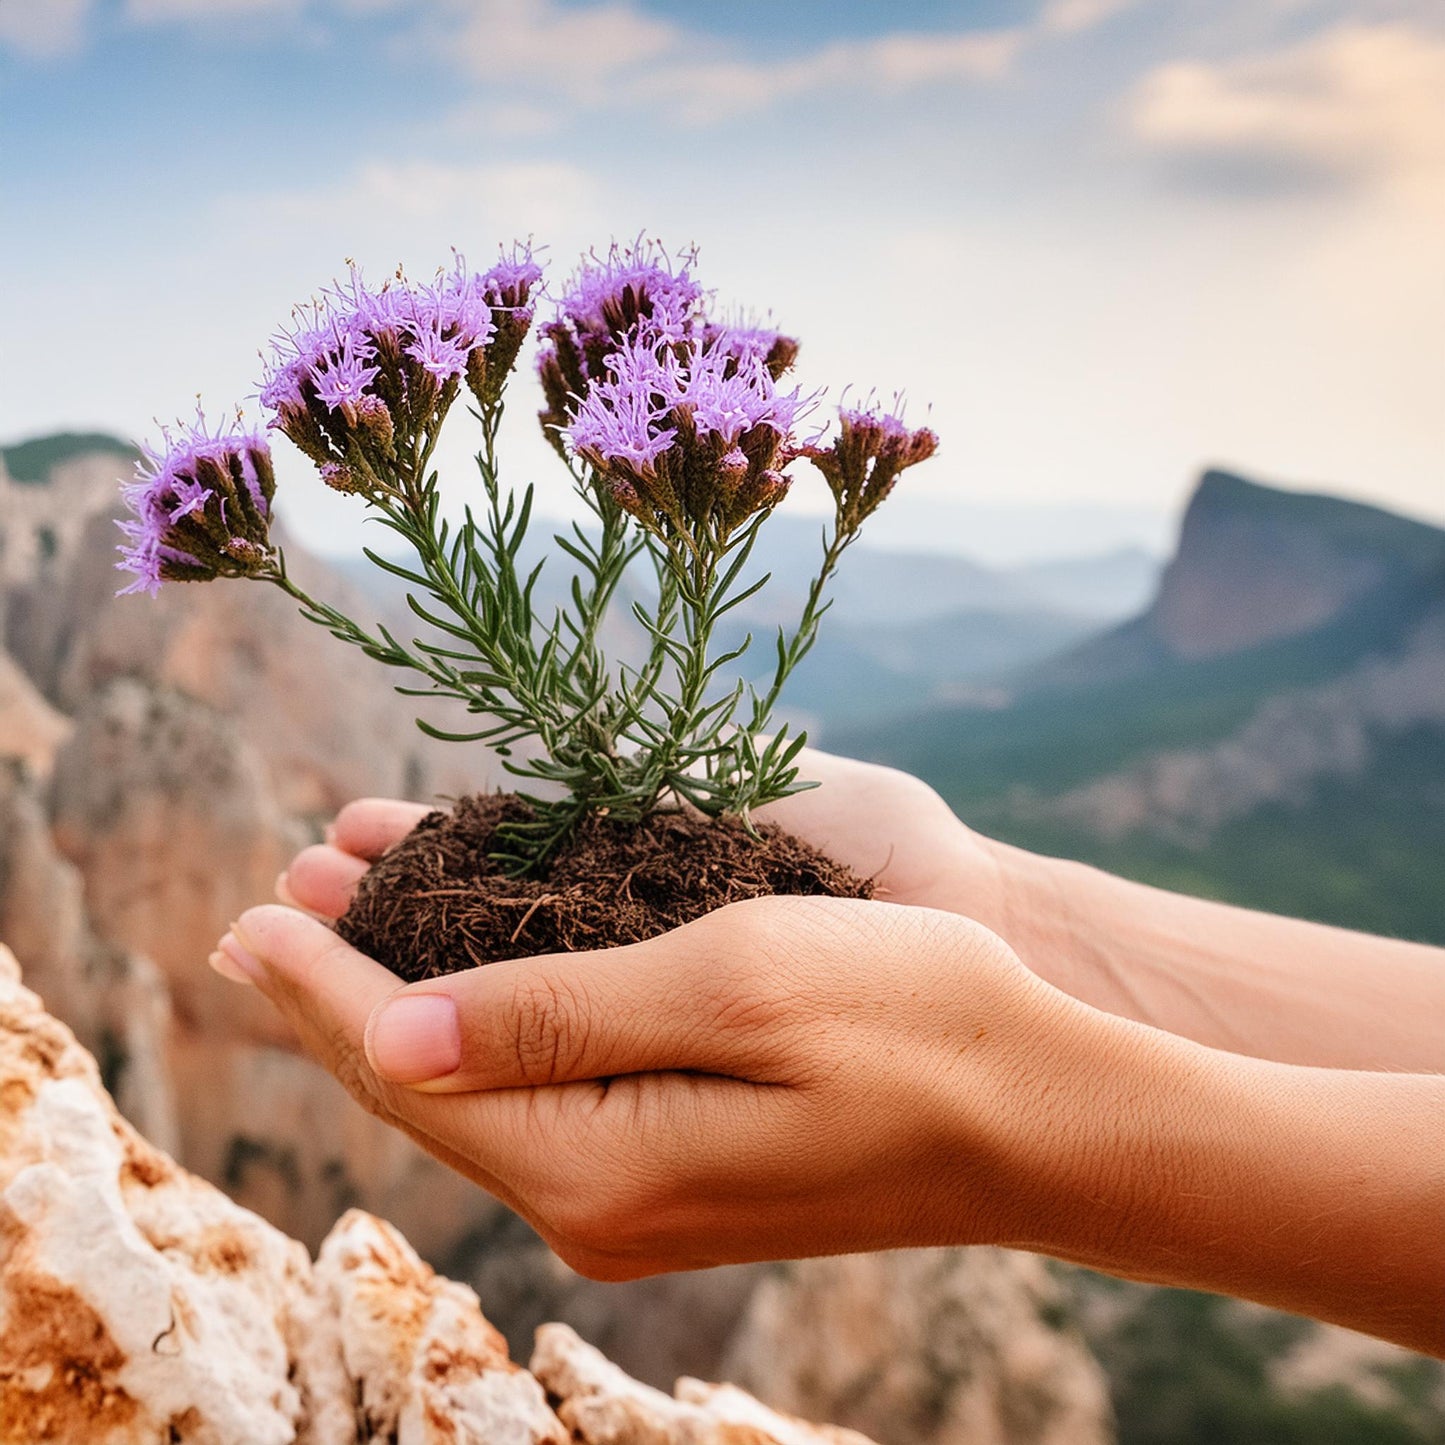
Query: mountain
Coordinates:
[905,629]
[33,462]
[1271,728]
[160,759]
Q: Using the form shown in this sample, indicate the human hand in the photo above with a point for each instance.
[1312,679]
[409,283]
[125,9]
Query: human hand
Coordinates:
[793,1076]
[781,1078]
[882,823]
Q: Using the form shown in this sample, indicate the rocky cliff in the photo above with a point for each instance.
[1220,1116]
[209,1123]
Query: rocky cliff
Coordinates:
[164,759]
[1257,565]
[140,1306]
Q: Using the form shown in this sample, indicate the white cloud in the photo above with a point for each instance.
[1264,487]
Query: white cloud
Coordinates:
[44,28]
[1068,17]
[578,50]
[699,91]
[149,11]
[1357,102]
[423,203]
[615,54]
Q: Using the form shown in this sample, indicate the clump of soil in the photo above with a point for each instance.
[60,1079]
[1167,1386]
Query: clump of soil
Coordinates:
[437,903]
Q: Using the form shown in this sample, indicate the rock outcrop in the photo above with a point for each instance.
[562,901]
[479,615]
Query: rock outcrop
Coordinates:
[603,1406]
[116,1000]
[323,719]
[30,729]
[140,1306]
[934,1347]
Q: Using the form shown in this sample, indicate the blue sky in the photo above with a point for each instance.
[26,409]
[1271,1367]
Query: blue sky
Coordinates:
[1107,241]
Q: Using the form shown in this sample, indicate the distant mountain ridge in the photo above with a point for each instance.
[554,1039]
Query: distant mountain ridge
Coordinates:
[1257,565]
[31,462]
[1256,720]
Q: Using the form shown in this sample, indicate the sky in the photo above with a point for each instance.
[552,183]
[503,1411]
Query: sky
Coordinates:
[1099,244]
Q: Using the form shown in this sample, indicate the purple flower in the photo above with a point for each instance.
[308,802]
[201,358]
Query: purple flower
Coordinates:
[366,374]
[201,505]
[747,342]
[623,419]
[609,294]
[512,280]
[611,298]
[341,376]
[690,434]
[508,290]
[730,395]
[863,463]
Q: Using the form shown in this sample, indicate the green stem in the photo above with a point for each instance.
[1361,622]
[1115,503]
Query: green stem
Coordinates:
[798,646]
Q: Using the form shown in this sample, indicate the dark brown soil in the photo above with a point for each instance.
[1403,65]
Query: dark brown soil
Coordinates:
[437,903]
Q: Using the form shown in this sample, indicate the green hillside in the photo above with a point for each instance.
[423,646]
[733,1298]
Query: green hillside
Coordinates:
[31,461]
[1362,852]
[1057,738]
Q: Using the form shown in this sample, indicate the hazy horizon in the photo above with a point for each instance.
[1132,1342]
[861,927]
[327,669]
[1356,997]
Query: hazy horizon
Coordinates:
[1103,244]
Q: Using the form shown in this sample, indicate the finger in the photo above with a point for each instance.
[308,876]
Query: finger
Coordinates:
[326,990]
[368,827]
[322,880]
[698,998]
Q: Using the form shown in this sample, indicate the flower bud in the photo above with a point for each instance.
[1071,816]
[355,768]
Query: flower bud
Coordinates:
[863,464]
[202,509]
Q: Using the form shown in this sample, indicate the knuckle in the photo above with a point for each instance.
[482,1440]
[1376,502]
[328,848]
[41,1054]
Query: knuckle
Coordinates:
[548,1028]
[354,1074]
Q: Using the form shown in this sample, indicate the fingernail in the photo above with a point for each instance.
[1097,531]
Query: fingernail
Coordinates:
[283,892]
[227,969]
[244,965]
[328,834]
[415,1038]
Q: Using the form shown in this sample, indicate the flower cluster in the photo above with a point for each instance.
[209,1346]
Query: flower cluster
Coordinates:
[508,289]
[678,429]
[863,462]
[689,436]
[607,301]
[362,382]
[678,414]
[745,341]
[202,508]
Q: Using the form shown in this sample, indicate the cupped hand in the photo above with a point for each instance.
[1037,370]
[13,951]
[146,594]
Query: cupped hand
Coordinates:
[784,1077]
[882,823]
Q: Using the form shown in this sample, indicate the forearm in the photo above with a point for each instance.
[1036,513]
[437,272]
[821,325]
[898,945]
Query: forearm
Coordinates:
[1318,1191]
[1252,983]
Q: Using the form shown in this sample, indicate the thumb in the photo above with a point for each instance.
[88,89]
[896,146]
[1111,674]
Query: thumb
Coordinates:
[693,999]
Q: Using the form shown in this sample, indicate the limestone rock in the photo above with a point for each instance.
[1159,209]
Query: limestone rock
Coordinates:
[931,1347]
[605,1406]
[168,815]
[432,1370]
[30,729]
[115,1000]
[136,1303]
[321,717]
[140,1306]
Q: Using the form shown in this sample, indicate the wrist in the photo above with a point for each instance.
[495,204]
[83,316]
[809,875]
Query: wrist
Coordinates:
[1044,907]
[1135,1139]
[1310,1190]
